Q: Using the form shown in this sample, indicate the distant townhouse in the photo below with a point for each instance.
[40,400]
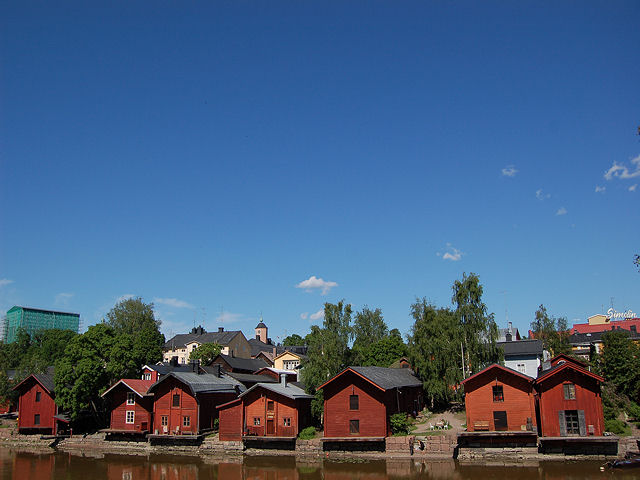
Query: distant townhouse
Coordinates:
[233,343]
[610,321]
[584,345]
[33,320]
[359,401]
[524,356]
[288,360]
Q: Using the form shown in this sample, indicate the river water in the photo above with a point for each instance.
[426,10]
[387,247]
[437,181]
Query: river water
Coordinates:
[22,465]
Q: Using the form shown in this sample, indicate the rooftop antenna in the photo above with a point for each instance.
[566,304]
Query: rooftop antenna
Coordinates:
[612,301]
[204,315]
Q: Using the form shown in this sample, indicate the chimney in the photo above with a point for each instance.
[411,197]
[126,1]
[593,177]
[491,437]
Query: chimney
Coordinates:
[195,364]
[283,379]
[220,329]
[174,361]
[218,370]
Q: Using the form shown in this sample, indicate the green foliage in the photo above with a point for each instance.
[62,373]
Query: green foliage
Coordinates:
[434,350]
[477,329]
[328,352]
[307,433]
[620,362]
[617,427]
[634,411]
[383,352]
[553,332]
[373,343]
[293,340]
[206,352]
[400,423]
[135,318]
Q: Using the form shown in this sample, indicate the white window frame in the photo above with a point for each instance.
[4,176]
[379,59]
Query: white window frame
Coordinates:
[522,367]
[130,417]
[131,398]
[186,421]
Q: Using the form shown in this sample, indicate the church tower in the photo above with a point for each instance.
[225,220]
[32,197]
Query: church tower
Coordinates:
[261,332]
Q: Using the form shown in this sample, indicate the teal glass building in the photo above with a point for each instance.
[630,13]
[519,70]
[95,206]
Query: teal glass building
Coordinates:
[34,319]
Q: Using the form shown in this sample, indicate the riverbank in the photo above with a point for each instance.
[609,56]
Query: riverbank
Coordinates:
[431,447]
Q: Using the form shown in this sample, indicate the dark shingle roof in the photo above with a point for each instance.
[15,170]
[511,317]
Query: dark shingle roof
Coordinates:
[221,338]
[252,378]
[521,347]
[289,391]
[581,338]
[46,379]
[248,364]
[388,378]
[261,325]
[203,383]
[165,368]
[258,346]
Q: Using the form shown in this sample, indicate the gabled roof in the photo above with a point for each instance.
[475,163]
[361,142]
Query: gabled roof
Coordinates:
[381,377]
[495,366]
[137,386]
[44,379]
[252,378]
[521,347]
[202,383]
[278,371]
[221,338]
[567,358]
[258,346]
[249,364]
[547,374]
[299,356]
[164,368]
[290,391]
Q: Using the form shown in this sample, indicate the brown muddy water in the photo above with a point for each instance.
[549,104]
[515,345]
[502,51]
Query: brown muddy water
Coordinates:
[22,465]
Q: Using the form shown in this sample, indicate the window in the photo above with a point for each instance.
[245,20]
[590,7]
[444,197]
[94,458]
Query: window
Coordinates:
[186,421]
[572,422]
[36,419]
[146,376]
[131,398]
[286,422]
[354,402]
[38,395]
[522,368]
[354,426]
[270,405]
[498,394]
[131,415]
[569,391]
[176,400]
[164,420]
[256,421]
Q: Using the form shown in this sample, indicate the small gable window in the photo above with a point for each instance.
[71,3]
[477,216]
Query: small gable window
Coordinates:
[569,391]
[176,400]
[38,395]
[498,394]
[131,398]
[354,402]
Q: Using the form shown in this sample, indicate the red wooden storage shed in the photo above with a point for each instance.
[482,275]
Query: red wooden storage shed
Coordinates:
[359,400]
[499,399]
[131,406]
[37,409]
[185,403]
[569,401]
[279,410]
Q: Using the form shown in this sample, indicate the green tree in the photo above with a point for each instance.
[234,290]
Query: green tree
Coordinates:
[478,330]
[82,373]
[328,351]
[293,340]
[434,350]
[205,353]
[553,332]
[369,327]
[384,352]
[135,318]
[620,362]
[50,344]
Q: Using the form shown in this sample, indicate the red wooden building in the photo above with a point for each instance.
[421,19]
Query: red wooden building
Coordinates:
[279,410]
[37,410]
[131,406]
[499,399]
[185,402]
[359,400]
[569,400]
[276,374]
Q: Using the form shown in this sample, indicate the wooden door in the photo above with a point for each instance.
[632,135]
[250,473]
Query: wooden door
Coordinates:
[271,427]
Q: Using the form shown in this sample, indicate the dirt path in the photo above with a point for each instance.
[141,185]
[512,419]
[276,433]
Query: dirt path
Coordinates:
[455,420]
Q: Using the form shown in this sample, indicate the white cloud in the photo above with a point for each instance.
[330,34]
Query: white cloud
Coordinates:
[621,171]
[5,281]
[561,211]
[452,254]
[509,171]
[124,297]
[228,317]
[313,283]
[600,189]
[633,187]
[173,302]
[540,195]
[63,298]
[304,316]
[317,316]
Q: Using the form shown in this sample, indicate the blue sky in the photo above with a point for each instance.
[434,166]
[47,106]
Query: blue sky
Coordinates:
[216,157]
